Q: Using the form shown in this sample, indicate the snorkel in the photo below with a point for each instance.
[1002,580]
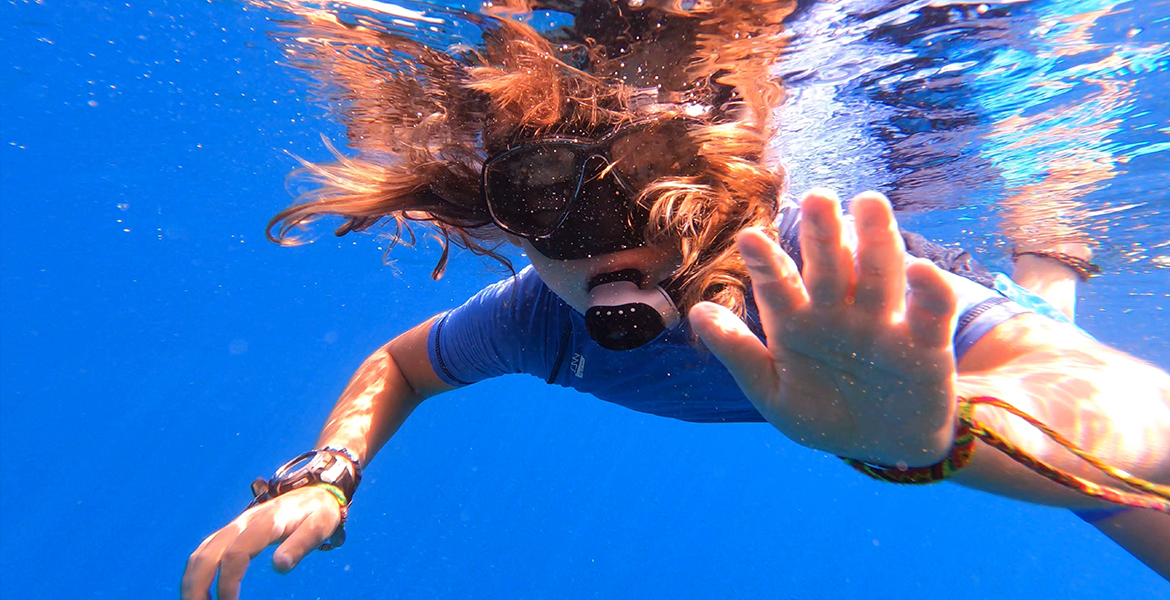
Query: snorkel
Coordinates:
[622,315]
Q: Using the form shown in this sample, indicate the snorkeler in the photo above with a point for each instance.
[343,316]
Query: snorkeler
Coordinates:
[640,187]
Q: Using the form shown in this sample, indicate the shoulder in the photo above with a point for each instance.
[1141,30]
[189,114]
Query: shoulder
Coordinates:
[516,312]
[512,326]
[521,293]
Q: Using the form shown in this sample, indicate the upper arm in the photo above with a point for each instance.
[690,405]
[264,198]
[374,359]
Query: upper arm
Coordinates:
[409,351]
[513,326]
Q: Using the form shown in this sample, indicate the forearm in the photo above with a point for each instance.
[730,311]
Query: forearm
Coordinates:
[371,409]
[1106,403]
[383,392]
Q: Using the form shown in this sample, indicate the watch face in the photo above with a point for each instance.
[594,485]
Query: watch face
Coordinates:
[334,471]
[311,468]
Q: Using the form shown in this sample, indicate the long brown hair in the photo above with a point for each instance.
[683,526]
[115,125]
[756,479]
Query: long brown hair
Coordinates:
[422,119]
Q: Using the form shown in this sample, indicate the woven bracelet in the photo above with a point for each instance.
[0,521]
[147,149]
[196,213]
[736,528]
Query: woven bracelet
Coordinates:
[1083,268]
[959,457]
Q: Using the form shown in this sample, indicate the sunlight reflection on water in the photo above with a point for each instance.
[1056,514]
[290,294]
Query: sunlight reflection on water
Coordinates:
[1033,122]
[1048,116]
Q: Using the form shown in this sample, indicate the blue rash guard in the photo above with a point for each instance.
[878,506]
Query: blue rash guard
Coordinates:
[520,326]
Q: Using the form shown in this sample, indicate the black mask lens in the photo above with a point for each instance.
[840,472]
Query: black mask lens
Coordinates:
[644,155]
[604,219]
[575,199]
[530,191]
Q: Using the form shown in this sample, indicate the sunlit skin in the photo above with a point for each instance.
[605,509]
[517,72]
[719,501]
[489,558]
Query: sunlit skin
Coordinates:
[847,349]
[379,397]
[853,366]
[1050,215]
[1141,532]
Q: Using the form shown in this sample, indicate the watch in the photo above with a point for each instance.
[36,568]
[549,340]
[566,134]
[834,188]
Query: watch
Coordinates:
[331,466]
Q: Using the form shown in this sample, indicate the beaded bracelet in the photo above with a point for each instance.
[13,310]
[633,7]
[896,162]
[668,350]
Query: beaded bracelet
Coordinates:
[338,537]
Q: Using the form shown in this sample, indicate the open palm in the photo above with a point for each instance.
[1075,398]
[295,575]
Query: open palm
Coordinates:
[852,365]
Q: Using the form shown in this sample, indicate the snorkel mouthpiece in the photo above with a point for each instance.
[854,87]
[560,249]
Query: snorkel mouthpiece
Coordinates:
[622,315]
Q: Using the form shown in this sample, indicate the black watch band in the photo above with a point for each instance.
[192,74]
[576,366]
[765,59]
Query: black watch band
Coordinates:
[330,466]
[335,468]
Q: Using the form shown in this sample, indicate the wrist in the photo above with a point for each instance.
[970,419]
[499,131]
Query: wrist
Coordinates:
[958,454]
[330,465]
[334,470]
[918,441]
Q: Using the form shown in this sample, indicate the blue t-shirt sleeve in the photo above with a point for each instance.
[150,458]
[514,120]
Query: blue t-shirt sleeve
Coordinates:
[513,326]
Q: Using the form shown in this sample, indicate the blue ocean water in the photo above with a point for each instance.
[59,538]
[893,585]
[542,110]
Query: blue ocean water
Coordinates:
[157,354]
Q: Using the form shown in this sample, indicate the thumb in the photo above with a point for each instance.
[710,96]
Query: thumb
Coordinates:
[744,355]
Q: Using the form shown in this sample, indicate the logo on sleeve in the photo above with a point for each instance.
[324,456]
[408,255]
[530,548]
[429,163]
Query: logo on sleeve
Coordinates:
[578,365]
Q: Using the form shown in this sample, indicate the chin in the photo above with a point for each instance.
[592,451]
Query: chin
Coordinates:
[569,279]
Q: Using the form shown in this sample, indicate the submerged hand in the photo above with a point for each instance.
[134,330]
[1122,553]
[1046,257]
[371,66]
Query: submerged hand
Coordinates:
[299,520]
[852,366]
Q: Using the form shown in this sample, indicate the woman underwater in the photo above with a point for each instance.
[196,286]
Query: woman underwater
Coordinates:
[627,155]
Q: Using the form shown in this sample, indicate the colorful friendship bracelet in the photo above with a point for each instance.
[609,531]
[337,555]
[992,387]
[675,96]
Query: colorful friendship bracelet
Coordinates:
[959,456]
[1144,494]
[337,494]
[338,537]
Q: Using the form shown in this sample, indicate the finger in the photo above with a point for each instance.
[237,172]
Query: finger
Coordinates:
[260,533]
[310,534]
[204,562]
[737,348]
[930,312]
[776,282]
[828,260]
[881,278]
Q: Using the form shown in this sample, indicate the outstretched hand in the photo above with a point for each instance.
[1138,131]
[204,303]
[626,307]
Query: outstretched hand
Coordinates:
[853,365]
[299,521]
